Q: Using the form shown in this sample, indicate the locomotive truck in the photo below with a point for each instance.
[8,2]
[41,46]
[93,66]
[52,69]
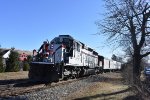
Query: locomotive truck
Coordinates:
[64,57]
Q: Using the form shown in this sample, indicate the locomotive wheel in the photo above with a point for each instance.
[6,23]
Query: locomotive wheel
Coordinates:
[81,73]
[97,71]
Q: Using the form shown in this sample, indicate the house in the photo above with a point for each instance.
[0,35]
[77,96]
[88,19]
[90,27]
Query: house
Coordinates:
[22,55]
[5,55]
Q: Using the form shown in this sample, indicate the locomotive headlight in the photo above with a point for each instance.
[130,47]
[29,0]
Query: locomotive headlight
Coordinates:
[52,46]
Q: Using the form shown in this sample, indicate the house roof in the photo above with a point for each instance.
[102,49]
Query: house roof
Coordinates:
[24,51]
[4,51]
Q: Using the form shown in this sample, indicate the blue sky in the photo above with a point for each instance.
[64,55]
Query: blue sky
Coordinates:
[25,24]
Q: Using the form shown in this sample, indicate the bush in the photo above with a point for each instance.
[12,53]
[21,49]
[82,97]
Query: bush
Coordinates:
[25,66]
[13,62]
[1,64]
[127,73]
[29,58]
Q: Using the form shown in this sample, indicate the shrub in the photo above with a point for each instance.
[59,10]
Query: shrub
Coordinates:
[13,62]
[29,58]
[25,66]
[127,73]
[1,63]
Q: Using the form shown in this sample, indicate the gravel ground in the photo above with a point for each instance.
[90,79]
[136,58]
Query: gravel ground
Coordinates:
[57,92]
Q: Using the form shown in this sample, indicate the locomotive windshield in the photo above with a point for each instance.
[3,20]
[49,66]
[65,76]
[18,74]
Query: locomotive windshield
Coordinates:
[69,45]
[65,40]
[57,41]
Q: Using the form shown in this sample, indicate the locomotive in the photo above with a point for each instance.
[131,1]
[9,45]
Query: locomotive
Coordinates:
[64,57]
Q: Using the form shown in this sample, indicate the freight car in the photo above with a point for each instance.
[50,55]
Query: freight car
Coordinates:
[64,57]
[111,65]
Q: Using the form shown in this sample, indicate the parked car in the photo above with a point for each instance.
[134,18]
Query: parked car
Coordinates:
[147,72]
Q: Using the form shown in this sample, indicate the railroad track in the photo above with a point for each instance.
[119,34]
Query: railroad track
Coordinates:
[26,86]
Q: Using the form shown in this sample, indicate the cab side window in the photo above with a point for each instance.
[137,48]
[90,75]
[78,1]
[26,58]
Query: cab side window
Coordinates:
[78,47]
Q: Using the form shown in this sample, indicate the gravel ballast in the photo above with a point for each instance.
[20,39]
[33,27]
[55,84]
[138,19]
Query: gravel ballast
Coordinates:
[57,92]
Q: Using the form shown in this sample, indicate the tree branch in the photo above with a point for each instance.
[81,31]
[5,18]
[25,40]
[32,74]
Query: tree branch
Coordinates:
[146,54]
[143,28]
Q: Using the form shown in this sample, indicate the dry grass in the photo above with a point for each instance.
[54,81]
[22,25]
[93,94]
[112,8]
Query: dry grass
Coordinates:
[14,75]
[102,91]
[106,90]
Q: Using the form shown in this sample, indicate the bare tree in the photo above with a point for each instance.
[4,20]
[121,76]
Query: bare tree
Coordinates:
[127,22]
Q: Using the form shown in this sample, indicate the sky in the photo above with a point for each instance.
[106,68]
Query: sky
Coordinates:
[25,24]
